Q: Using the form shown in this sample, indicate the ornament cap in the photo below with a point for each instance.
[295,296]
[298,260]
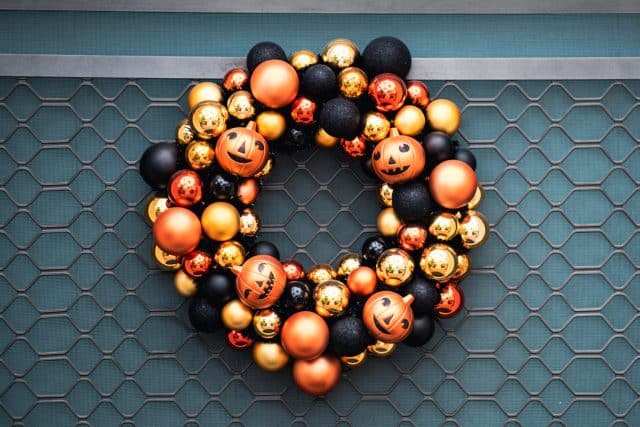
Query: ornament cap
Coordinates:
[251,125]
[394,132]
[408,299]
[236,269]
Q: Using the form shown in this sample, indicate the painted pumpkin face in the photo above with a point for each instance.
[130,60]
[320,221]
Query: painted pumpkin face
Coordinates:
[398,158]
[388,316]
[242,151]
[260,281]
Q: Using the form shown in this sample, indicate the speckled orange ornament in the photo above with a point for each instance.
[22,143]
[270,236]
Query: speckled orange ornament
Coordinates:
[197,263]
[185,188]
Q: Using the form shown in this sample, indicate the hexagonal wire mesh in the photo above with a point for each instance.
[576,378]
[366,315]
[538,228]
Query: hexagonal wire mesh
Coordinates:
[92,331]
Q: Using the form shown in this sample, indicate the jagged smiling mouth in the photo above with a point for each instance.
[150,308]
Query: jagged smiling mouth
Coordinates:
[396,171]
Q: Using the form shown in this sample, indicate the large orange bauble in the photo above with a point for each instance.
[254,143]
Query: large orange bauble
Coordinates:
[452,184]
[362,281]
[319,376]
[398,158]
[274,83]
[305,335]
[388,316]
[242,151]
[177,231]
[260,281]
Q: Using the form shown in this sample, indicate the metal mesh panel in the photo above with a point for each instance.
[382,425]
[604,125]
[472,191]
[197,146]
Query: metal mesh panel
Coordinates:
[92,332]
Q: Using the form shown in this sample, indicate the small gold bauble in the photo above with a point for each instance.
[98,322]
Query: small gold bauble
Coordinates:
[394,267]
[323,139]
[340,53]
[249,222]
[321,273]
[385,195]
[267,323]
[235,315]
[229,253]
[240,105]
[478,196]
[443,115]
[352,82]
[202,92]
[438,262]
[266,170]
[199,155]
[184,284]
[346,264]
[375,127]
[332,298]
[271,125]
[302,59]
[388,222]
[155,206]
[474,229]
[220,221]
[444,226]
[184,133]
[209,119]
[409,120]
[270,356]
[354,361]
[464,266]
[165,260]
[381,349]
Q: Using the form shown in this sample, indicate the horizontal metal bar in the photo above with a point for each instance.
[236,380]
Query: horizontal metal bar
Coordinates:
[193,67]
[333,6]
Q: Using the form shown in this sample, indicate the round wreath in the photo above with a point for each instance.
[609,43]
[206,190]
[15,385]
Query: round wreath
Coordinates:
[208,181]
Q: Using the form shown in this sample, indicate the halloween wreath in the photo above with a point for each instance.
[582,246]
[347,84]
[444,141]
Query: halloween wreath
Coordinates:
[208,181]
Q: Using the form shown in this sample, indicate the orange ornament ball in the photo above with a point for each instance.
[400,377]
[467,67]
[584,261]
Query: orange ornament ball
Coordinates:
[177,231]
[274,83]
[242,151]
[398,158]
[319,376]
[453,184]
[388,316]
[305,335]
[260,281]
[362,281]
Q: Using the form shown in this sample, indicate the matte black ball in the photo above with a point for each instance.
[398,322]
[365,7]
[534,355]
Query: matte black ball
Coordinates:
[372,248]
[203,316]
[158,163]
[425,294]
[340,118]
[319,82]
[264,51]
[412,201]
[295,139]
[386,55]
[296,296]
[217,288]
[349,336]
[438,147]
[423,329]
[265,248]
[465,155]
[367,167]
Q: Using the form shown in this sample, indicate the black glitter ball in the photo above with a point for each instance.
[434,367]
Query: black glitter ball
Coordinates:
[340,118]
[349,336]
[264,51]
[319,82]
[203,316]
[425,295]
[386,55]
[412,201]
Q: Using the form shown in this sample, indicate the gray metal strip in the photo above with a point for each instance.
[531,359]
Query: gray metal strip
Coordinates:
[333,6]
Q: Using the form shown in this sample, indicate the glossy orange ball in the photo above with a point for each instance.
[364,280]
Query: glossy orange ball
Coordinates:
[303,110]
[398,158]
[418,93]
[319,376]
[274,83]
[388,92]
[242,151]
[362,281]
[260,281]
[451,301]
[305,335]
[177,231]
[293,269]
[412,237]
[354,148]
[248,190]
[185,188]
[197,263]
[388,316]
[452,184]
[236,79]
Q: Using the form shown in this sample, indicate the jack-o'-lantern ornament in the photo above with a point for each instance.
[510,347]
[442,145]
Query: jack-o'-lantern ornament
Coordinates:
[242,151]
[388,316]
[260,281]
[398,158]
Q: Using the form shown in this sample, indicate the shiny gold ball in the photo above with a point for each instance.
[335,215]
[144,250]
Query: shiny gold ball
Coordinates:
[381,349]
[340,53]
[354,361]
[474,229]
[323,139]
[321,273]
[209,119]
[184,284]
[249,222]
[220,221]
[229,253]
[464,266]
[184,133]
[346,264]
[375,127]
[332,298]
[409,120]
[204,92]
[443,115]
[270,356]
[303,59]
[240,105]
[438,262]
[266,170]
[267,323]
[199,155]
[352,82]
[271,125]
[165,260]
[388,222]
[235,315]
[394,267]
[478,197]
[385,195]
[156,205]
[444,226]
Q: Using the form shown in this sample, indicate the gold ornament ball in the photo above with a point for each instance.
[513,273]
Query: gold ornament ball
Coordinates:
[240,105]
[229,253]
[236,316]
[385,195]
[220,221]
[352,82]
[156,205]
[184,284]
[354,361]
[477,198]
[321,273]
[438,262]
[375,126]
[464,266]
[165,260]
[184,133]
[303,59]
[332,298]
[270,356]
[209,119]
[340,53]
[323,139]
[267,323]
[249,222]
[474,229]
[381,349]
[202,92]
[444,226]
[388,222]
[199,155]
[346,264]
[409,120]
[266,170]
[271,125]
[394,267]
[443,115]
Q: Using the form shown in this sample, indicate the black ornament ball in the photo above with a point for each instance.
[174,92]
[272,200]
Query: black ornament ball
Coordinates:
[264,248]
[372,248]
[438,147]
[222,187]
[203,316]
[367,167]
[264,51]
[386,55]
[158,163]
[295,139]
[349,336]
[412,201]
[425,294]
[340,118]
[319,82]
[465,155]
[296,296]
[423,329]
[217,288]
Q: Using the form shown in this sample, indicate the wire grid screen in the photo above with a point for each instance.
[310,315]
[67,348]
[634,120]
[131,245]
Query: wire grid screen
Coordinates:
[91,332]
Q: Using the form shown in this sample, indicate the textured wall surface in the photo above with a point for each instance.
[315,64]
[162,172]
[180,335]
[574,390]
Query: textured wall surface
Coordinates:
[92,332]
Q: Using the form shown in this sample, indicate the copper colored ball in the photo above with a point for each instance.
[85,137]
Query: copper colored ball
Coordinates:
[220,221]
[388,222]
[354,148]
[293,269]
[451,301]
[319,376]
[205,91]
[196,263]
[239,340]
[271,125]
[270,356]
[305,335]
[274,83]
[177,231]
[248,191]
[453,184]
[412,237]
[388,92]
[443,115]
[362,281]
[184,284]
[236,79]
[303,110]
[352,82]
[185,188]
[418,93]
